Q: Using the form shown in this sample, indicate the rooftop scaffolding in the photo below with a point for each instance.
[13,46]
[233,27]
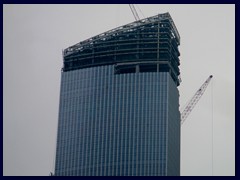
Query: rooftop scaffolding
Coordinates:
[121,29]
[151,42]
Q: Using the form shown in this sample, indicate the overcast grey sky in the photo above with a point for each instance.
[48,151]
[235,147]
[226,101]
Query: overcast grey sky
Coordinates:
[33,39]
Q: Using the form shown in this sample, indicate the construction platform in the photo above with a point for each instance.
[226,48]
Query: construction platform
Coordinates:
[147,45]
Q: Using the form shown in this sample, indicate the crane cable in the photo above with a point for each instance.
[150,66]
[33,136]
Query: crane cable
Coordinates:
[117,14]
[54,153]
[140,11]
[212,125]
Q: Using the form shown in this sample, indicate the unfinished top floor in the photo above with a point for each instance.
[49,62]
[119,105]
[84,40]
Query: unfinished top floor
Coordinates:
[152,41]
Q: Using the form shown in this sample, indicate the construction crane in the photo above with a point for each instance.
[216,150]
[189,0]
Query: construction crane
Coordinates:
[135,14]
[187,110]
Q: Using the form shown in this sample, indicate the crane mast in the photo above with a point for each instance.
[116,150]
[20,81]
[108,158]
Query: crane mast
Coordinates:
[187,110]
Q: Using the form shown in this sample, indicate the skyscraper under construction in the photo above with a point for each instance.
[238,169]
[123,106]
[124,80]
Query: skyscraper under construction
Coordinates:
[119,103]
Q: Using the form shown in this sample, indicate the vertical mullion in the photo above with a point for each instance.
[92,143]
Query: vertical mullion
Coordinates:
[130,125]
[149,125]
[103,99]
[99,120]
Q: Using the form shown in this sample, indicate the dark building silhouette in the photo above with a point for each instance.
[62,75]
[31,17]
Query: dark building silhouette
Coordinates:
[119,102]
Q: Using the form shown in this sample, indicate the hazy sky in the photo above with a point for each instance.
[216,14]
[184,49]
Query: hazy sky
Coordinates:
[33,39]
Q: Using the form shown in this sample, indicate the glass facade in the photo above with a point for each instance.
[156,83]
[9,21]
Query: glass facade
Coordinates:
[118,124]
[119,102]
